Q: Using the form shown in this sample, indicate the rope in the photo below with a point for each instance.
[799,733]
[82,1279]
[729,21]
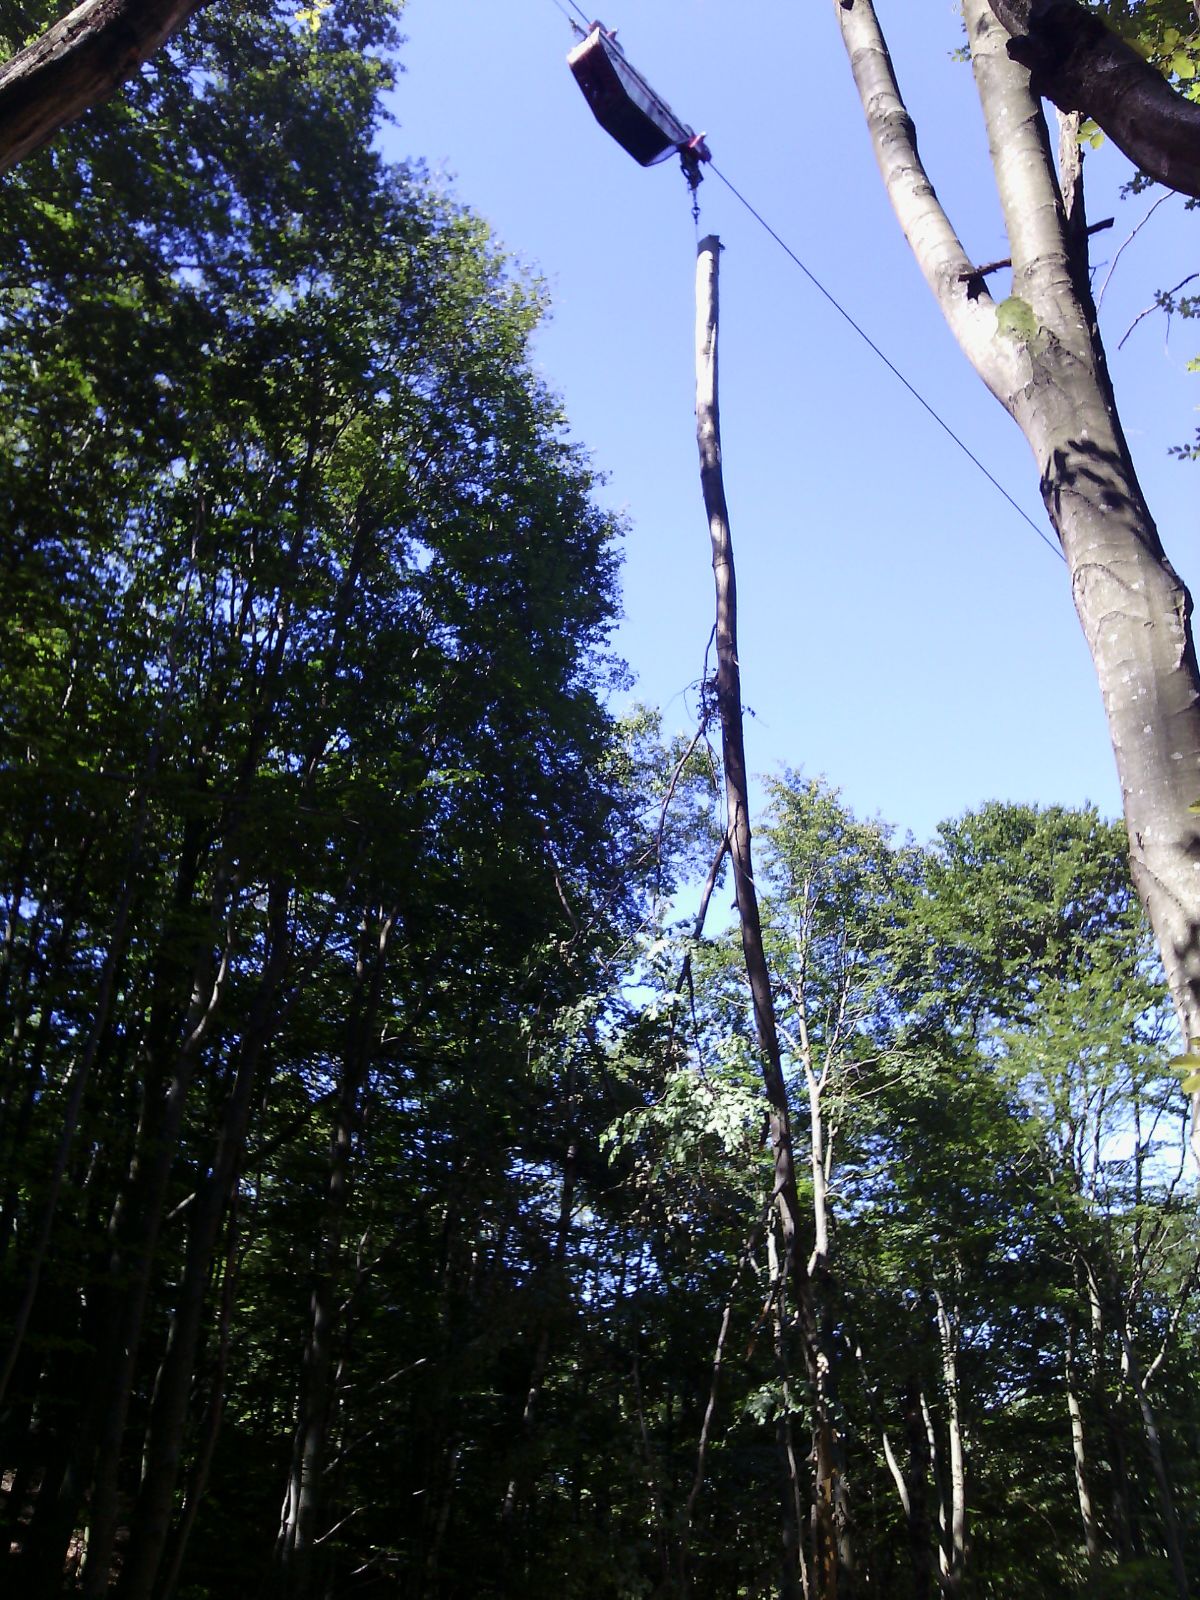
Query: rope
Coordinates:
[890,365]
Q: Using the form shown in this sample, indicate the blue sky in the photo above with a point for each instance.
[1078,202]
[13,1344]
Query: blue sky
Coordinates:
[903,632]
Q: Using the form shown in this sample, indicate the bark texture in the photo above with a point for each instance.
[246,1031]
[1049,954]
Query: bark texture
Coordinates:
[79,62]
[1082,65]
[729,704]
[1039,352]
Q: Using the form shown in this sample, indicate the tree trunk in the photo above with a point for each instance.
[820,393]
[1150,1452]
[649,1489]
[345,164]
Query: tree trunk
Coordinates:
[1082,65]
[304,1499]
[1039,352]
[135,1230]
[1158,1462]
[1087,1511]
[151,1520]
[934,1455]
[79,62]
[919,1541]
[541,1360]
[729,705]
[948,1336]
[211,1426]
[795,1491]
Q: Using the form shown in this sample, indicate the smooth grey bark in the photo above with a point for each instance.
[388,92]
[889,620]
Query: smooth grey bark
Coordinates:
[1039,352]
[729,705]
[948,1331]
[79,62]
[1079,62]
[933,1455]
[1087,1510]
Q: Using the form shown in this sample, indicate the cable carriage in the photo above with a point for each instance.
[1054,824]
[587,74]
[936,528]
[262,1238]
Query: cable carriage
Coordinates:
[626,107]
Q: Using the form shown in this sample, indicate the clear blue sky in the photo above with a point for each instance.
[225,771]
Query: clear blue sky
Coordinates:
[902,630]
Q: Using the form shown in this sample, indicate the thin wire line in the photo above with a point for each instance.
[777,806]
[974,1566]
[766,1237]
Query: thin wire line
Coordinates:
[890,365]
[582,15]
[858,329]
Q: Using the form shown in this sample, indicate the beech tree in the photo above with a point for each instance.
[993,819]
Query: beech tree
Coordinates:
[983,1020]
[312,806]
[1082,64]
[1039,352]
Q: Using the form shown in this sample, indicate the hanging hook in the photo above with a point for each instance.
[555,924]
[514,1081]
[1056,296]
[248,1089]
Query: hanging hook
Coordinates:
[691,156]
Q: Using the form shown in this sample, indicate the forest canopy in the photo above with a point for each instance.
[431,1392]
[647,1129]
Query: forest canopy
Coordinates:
[384,1198]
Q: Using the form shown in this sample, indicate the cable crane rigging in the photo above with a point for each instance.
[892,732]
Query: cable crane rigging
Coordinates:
[626,107]
[644,125]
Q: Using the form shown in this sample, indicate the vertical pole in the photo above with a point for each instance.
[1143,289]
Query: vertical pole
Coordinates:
[733,755]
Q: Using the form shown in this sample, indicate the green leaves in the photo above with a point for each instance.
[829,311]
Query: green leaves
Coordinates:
[303,750]
[1187,1067]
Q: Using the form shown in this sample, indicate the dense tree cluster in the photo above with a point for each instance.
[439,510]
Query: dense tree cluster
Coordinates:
[313,821]
[384,1202]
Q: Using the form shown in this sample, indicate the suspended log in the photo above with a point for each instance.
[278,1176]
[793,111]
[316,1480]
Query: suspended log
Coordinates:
[737,800]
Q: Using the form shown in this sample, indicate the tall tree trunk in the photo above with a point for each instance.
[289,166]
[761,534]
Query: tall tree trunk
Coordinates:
[1172,1537]
[151,1522]
[1039,352]
[729,705]
[1087,1510]
[136,1227]
[541,1359]
[1083,66]
[795,1490]
[920,1548]
[948,1336]
[211,1426]
[937,1472]
[304,1498]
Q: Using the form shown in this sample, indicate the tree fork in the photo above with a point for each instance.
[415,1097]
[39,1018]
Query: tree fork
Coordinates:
[733,755]
[1082,65]
[1050,376]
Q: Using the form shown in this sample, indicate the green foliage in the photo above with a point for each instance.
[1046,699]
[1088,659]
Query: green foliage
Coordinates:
[334,977]
[312,812]
[1165,32]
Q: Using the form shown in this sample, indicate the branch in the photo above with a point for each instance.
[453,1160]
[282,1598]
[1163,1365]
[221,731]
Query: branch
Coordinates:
[79,62]
[1082,65]
[1137,228]
[945,266]
[997,266]
[1157,306]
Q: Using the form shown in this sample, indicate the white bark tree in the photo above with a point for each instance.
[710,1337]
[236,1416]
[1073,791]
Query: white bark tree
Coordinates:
[1040,354]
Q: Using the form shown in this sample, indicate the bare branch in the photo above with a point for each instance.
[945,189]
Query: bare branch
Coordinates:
[1156,306]
[1125,246]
